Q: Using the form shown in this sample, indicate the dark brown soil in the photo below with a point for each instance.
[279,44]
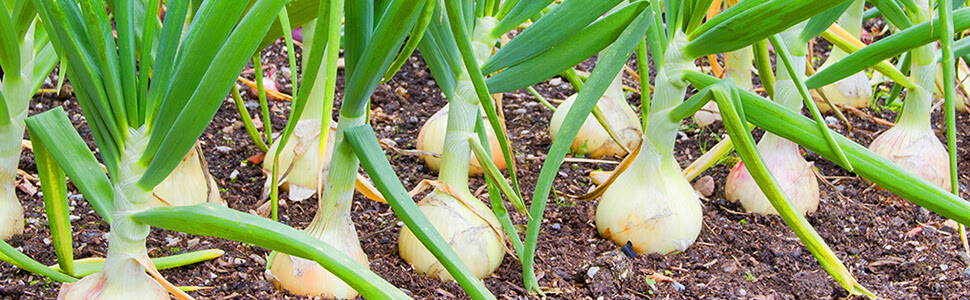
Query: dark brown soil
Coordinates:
[896,249]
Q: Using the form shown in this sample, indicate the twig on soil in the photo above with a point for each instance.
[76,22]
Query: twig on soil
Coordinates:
[864,115]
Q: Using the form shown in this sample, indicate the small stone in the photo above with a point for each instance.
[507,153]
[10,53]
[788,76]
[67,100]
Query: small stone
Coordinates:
[944,267]
[520,111]
[742,292]
[705,186]
[234,174]
[399,224]
[679,287]
[555,81]
[223,149]
[592,271]
[413,119]
[556,226]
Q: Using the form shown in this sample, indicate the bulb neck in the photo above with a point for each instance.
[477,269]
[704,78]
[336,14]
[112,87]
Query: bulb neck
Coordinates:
[669,91]
[463,109]
[338,189]
[919,101]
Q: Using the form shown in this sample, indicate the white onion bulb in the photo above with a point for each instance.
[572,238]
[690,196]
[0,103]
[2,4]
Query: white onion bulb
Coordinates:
[11,212]
[852,91]
[592,138]
[431,139]
[306,277]
[915,149]
[473,238]
[651,205]
[189,184]
[135,284]
[793,174]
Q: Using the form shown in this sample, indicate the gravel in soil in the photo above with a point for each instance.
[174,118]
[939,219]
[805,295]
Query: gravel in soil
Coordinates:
[896,249]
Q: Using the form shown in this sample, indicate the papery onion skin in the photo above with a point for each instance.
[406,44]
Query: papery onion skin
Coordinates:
[189,183]
[916,150]
[137,285]
[301,164]
[304,277]
[651,205]
[793,174]
[477,243]
[431,139]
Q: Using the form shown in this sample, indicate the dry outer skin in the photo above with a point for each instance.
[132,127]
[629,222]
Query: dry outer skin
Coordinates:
[894,248]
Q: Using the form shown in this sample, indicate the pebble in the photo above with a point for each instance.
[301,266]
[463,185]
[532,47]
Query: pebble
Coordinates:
[234,174]
[705,186]
[555,81]
[832,121]
[742,292]
[592,271]
[412,119]
[556,226]
[532,104]
[223,149]
[944,267]
[679,287]
[966,272]
[520,111]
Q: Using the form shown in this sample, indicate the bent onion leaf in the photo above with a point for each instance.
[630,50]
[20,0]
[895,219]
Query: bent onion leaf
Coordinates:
[560,57]
[219,221]
[55,205]
[803,131]
[743,25]
[888,47]
[365,146]
[552,29]
[53,128]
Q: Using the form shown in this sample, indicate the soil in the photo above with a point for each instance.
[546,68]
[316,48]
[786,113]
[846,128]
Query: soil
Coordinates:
[895,248]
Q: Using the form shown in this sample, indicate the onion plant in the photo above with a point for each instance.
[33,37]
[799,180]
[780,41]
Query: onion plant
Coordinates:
[144,130]
[26,58]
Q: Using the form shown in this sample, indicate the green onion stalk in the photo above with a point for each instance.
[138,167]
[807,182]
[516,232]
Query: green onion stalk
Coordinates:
[852,91]
[782,157]
[912,144]
[302,164]
[651,204]
[595,140]
[22,76]
[469,227]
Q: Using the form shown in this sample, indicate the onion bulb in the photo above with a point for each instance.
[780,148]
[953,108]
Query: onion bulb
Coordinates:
[189,184]
[471,229]
[915,149]
[431,139]
[11,212]
[651,205]
[786,164]
[592,138]
[133,283]
[305,277]
[301,164]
